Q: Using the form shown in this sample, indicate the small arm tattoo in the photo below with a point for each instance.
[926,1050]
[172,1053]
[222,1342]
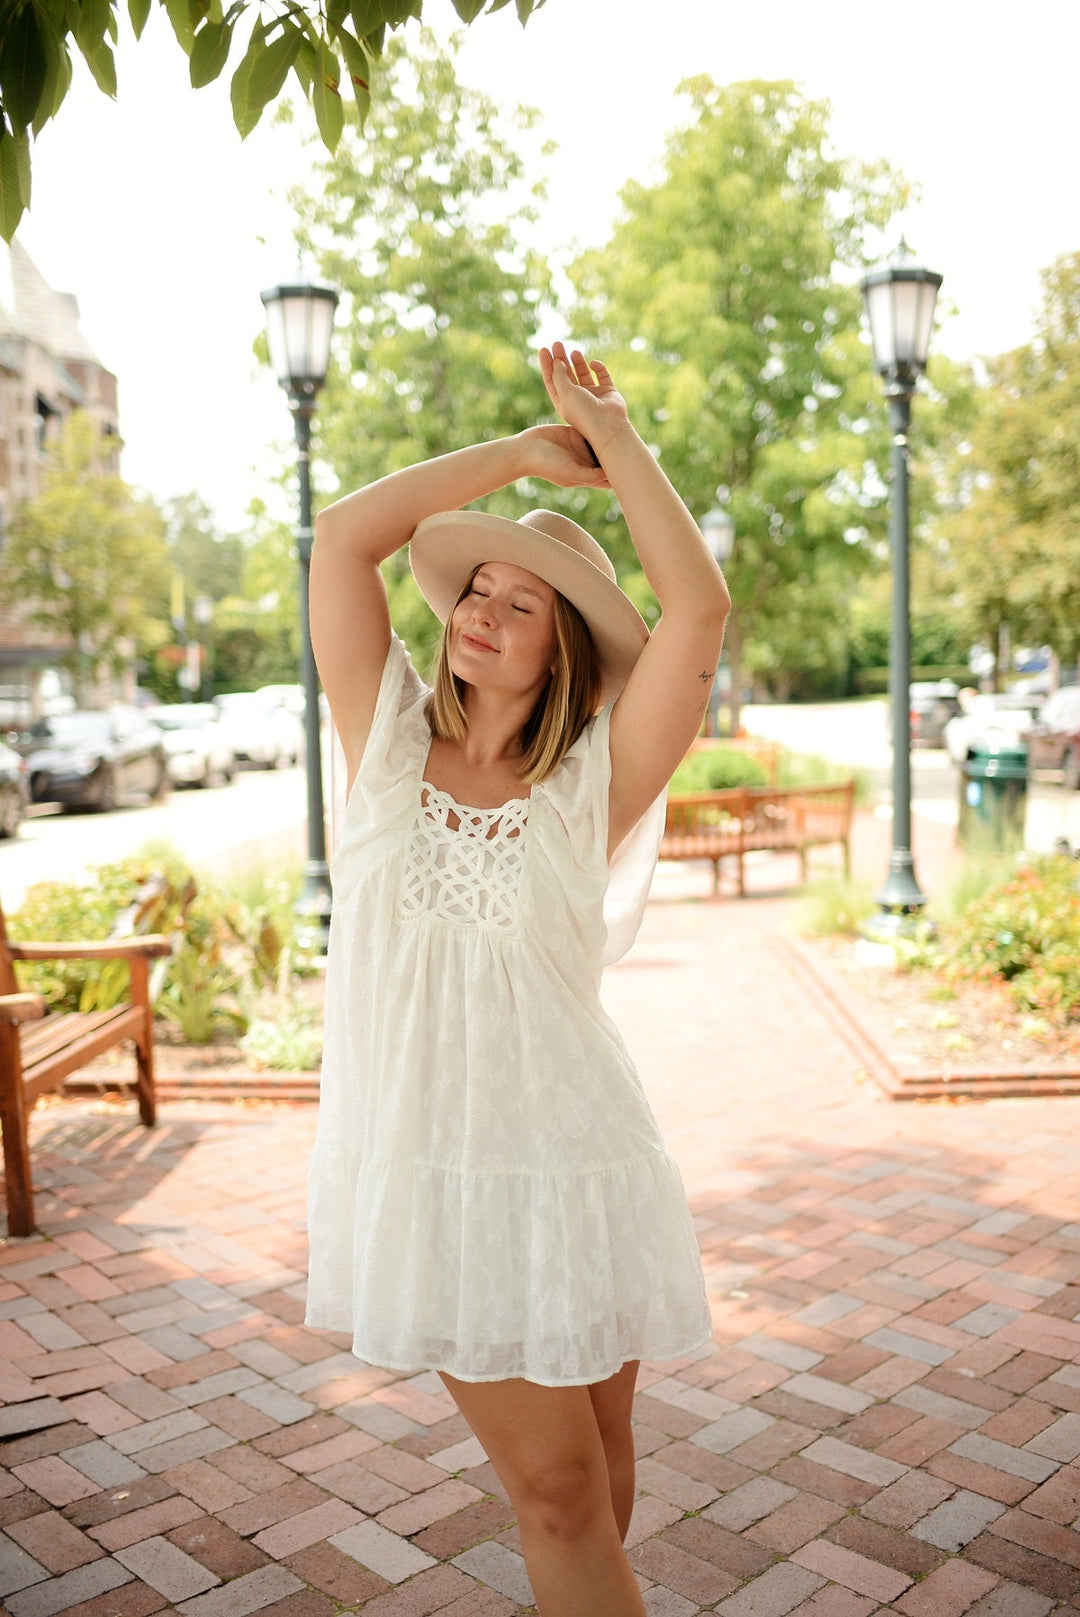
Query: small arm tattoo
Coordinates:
[705,677]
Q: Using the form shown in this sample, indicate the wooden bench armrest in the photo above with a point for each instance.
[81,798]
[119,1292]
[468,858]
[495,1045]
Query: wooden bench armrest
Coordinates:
[21,1007]
[109,949]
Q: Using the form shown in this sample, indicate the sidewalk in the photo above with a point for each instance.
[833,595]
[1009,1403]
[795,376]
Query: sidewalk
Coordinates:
[889,1420]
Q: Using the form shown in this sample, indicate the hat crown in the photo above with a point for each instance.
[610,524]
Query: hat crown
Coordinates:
[567,532]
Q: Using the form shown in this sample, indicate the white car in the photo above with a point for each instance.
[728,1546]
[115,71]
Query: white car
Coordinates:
[260,730]
[998,717]
[197,746]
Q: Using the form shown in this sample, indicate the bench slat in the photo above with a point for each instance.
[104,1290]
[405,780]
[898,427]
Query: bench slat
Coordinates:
[58,1030]
[40,1076]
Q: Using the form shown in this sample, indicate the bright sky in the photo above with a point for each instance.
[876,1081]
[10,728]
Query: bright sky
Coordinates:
[166,227]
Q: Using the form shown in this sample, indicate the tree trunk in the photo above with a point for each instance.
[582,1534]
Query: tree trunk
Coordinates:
[1002,655]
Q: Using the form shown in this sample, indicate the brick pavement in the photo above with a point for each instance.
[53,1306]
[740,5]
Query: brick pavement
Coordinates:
[887,1421]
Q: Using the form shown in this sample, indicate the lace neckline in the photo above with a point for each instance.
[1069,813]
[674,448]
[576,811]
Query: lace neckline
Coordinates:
[471,809]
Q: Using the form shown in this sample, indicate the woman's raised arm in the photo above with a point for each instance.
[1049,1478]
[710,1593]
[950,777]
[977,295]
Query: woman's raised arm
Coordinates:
[350,622]
[659,710]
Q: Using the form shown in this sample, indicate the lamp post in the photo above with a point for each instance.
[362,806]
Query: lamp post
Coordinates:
[718,531]
[299,320]
[202,609]
[900,297]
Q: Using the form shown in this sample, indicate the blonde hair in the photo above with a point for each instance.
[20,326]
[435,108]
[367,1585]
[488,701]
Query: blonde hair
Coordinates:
[567,703]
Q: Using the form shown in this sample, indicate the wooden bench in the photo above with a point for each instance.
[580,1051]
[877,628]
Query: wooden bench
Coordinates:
[38,1051]
[743,819]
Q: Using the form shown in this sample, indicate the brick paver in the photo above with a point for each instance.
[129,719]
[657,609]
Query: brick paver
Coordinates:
[888,1419]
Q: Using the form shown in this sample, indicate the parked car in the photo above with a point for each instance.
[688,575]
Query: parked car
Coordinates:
[197,745]
[1053,741]
[14,793]
[997,717]
[932,704]
[260,730]
[94,759]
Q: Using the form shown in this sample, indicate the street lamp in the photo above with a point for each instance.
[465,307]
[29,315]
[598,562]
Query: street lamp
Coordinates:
[299,320]
[718,531]
[900,296]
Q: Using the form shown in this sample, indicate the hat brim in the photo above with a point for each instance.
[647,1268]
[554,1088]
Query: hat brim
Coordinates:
[445,549]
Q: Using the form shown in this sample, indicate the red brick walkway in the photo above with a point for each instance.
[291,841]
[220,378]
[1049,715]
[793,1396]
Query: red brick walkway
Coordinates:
[889,1420]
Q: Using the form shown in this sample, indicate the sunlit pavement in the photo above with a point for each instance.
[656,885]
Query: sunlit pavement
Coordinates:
[209,826]
[888,1419]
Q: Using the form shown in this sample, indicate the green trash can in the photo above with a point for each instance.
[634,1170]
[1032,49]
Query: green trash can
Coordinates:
[993,798]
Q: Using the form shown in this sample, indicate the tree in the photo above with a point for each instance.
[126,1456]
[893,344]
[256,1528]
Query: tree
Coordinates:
[321,42]
[87,555]
[726,304]
[209,562]
[255,638]
[1011,545]
[420,222]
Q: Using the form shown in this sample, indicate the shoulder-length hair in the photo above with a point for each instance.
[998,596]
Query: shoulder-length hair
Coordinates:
[563,709]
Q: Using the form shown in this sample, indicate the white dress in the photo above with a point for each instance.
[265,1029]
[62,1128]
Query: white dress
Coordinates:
[489,1193]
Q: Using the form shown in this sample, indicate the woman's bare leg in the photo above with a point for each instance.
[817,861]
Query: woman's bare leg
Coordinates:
[545,1444]
[613,1406]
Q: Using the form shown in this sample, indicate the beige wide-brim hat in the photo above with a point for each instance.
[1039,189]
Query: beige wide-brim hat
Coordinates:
[445,549]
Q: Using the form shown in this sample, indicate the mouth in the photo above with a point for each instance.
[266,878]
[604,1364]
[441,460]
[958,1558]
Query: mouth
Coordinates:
[476,642]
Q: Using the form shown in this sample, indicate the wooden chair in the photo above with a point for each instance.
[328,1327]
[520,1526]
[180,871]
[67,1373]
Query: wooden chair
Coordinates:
[38,1051]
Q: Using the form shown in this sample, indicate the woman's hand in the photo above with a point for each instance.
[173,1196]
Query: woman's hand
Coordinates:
[561,456]
[584,395]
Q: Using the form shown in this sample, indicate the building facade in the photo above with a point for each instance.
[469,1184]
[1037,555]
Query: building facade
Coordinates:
[47,370]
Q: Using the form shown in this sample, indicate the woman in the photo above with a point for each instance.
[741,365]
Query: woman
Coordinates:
[489,1193]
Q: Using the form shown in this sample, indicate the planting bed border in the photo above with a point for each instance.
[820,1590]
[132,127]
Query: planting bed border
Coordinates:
[909,1081]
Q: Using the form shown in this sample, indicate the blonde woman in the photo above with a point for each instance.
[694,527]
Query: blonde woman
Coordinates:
[490,1196]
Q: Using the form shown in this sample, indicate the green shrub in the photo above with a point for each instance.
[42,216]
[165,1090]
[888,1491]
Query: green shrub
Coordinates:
[834,907]
[68,912]
[200,995]
[284,1044]
[228,940]
[713,769]
[1026,931]
[810,769]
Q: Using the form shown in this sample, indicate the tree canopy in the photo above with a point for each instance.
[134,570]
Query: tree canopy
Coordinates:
[87,555]
[324,44]
[726,304]
[420,221]
[1010,547]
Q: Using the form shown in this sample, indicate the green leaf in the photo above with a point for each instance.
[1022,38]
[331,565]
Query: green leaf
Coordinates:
[23,67]
[357,63]
[326,98]
[367,17]
[468,10]
[270,70]
[138,11]
[305,65]
[57,74]
[244,117]
[102,64]
[14,179]
[210,52]
[179,15]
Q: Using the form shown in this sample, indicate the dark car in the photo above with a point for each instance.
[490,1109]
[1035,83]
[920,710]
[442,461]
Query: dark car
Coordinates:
[1053,741]
[94,759]
[932,704]
[13,791]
